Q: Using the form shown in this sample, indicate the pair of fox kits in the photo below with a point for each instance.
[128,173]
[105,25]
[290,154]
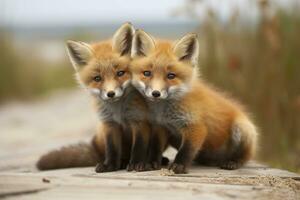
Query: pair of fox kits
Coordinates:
[148,95]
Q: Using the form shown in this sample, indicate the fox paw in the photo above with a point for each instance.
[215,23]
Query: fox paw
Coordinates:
[230,165]
[165,161]
[124,164]
[139,167]
[101,167]
[177,168]
[156,165]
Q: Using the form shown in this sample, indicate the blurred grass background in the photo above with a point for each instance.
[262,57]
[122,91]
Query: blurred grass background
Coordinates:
[23,75]
[259,64]
[261,67]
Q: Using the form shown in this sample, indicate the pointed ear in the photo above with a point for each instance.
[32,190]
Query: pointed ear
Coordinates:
[79,53]
[142,44]
[122,39]
[187,49]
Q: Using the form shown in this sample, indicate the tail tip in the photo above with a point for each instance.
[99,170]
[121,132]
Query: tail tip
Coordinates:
[42,164]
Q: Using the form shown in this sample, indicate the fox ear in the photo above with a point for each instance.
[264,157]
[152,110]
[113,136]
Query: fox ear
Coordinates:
[122,39]
[187,49]
[142,44]
[79,53]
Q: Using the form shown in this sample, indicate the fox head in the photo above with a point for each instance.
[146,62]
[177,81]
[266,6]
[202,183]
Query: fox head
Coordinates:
[163,69]
[102,68]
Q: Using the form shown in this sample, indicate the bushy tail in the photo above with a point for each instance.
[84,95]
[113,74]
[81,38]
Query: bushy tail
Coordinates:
[246,133]
[240,147]
[78,155]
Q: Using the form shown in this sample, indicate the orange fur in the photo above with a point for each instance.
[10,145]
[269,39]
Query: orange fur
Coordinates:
[123,129]
[123,113]
[210,118]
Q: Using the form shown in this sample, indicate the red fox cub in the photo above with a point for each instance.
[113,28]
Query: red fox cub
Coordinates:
[211,128]
[123,130]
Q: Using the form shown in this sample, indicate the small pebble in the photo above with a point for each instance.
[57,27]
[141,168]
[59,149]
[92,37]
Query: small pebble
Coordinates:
[45,180]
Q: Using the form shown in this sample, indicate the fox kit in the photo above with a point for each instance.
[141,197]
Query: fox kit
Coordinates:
[205,125]
[123,129]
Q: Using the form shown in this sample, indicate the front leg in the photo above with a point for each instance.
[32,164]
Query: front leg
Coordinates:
[113,147]
[158,144]
[140,143]
[193,137]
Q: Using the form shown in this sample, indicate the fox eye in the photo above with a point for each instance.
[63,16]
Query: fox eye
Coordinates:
[171,75]
[147,73]
[120,73]
[97,78]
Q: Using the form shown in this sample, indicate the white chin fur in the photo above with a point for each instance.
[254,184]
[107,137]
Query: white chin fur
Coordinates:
[98,93]
[94,91]
[177,91]
[125,84]
[119,92]
[172,92]
[148,92]
[139,85]
[163,93]
[103,94]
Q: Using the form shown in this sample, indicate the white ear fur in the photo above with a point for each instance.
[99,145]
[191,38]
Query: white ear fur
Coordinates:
[122,39]
[79,53]
[187,49]
[142,44]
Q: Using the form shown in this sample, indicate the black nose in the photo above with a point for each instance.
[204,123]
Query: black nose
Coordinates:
[111,94]
[156,93]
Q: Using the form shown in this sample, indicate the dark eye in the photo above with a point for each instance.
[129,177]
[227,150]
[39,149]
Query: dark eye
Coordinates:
[171,75]
[147,73]
[120,73]
[97,78]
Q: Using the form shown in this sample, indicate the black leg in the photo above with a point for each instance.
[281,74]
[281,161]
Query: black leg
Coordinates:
[113,149]
[138,154]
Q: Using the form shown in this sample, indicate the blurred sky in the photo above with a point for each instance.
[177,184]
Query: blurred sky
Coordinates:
[61,12]
[39,12]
